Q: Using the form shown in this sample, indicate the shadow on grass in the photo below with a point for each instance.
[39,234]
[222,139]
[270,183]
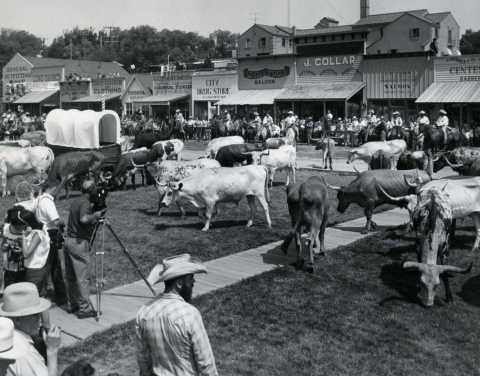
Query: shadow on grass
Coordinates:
[199,224]
[398,253]
[401,280]
[277,257]
[470,291]
[153,213]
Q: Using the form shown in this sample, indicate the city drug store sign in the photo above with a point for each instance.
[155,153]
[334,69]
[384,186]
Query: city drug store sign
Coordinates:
[213,87]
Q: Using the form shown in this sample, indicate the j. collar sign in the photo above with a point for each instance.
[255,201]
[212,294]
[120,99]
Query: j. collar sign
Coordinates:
[329,61]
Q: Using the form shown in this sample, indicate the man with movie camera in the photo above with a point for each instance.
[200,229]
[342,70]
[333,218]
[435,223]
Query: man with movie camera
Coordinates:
[84,213]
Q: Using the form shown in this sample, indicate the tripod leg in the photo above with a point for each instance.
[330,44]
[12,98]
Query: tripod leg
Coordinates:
[98,281]
[130,258]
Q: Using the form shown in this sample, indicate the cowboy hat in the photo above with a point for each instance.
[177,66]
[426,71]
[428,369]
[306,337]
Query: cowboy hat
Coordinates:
[396,113]
[177,110]
[290,112]
[421,112]
[10,342]
[175,267]
[22,299]
[255,113]
[443,112]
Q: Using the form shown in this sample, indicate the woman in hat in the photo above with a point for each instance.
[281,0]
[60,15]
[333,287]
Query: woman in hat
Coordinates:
[25,248]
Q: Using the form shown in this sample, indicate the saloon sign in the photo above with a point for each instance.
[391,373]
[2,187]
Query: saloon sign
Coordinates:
[266,73]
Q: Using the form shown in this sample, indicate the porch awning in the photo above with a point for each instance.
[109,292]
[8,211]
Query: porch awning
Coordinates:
[162,99]
[36,97]
[251,97]
[323,92]
[451,92]
[96,98]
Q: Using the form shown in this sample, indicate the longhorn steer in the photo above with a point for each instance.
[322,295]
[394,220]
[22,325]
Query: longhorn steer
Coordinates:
[224,184]
[169,149]
[327,146]
[440,203]
[464,160]
[411,160]
[283,158]
[215,144]
[69,165]
[233,155]
[308,208]
[167,172]
[365,152]
[365,192]
[132,161]
[22,160]
[381,160]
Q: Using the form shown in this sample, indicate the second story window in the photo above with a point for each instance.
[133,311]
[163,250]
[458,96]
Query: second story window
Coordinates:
[450,38]
[284,42]
[414,33]
[247,43]
[262,43]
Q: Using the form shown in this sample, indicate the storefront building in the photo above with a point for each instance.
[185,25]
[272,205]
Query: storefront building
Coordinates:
[394,83]
[456,88]
[140,86]
[34,82]
[171,91]
[210,87]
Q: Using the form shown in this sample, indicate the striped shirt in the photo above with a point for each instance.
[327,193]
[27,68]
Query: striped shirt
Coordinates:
[172,340]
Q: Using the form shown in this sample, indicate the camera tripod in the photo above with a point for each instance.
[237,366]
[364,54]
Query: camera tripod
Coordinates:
[99,254]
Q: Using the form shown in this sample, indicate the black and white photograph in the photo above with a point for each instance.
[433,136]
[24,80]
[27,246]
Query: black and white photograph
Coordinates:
[225,187]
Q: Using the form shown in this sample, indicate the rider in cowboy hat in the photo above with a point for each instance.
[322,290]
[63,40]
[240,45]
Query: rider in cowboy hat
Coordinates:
[23,305]
[170,329]
[442,122]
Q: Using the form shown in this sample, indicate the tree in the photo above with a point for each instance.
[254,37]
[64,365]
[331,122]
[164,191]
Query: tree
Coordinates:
[223,42]
[470,42]
[13,41]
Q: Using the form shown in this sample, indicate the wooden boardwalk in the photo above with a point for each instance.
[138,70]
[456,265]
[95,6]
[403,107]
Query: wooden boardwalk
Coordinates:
[121,304]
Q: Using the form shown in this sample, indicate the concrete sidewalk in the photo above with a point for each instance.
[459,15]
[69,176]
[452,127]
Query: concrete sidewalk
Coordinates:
[121,304]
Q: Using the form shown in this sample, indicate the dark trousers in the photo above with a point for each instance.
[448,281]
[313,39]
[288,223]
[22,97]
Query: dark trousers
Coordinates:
[37,277]
[77,267]
[54,269]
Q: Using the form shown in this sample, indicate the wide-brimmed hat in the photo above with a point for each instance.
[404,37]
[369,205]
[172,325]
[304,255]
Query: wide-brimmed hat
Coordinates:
[10,347]
[443,112]
[421,112]
[290,112]
[395,113]
[22,299]
[174,267]
[177,110]
[255,113]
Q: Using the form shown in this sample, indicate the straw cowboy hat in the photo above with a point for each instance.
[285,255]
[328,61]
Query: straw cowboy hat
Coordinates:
[174,267]
[443,112]
[22,299]
[10,344]
[255,113]
[421,112]
[290,112]
[395,113]
[177,110]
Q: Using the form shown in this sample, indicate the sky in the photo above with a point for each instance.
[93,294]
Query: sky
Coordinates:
[49,18]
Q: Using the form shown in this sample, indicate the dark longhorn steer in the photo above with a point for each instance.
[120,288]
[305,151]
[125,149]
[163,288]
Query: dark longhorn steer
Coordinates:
[381,160]
[132,161]
[308,208]
[364,191]
[232,155]
[73,164]
[464,160]
[411,160]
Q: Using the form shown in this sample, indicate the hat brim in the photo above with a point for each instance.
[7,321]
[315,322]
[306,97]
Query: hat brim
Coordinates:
[176,272]
[42,306]
[17,351]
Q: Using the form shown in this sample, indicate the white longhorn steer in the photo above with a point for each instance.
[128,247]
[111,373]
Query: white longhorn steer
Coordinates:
[223,184]
[365,151]
[283,158]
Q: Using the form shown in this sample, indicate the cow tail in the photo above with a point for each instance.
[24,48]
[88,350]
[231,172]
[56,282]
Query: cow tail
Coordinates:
[267,192]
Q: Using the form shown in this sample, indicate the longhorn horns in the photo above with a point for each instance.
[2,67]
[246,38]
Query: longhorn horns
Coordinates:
[452,165]
[391,198]
[334,187]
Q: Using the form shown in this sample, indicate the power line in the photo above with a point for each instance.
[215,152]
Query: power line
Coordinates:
[254,16]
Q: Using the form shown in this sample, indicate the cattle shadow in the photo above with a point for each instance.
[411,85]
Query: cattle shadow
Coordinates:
[398,253]
[199,224]
[470,291]
[359,229]
[169,214]
[404,282]
[277,257]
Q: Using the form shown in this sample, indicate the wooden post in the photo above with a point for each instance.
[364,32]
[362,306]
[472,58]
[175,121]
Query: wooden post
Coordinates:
[324,108]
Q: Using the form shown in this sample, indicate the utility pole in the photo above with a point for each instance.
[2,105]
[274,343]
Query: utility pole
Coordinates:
[288,13]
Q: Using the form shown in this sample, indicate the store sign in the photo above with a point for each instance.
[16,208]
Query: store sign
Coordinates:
[111,85]
[342,68]
[265,73]
[173,82]
[213,88]
[72,90]
[457,68]
[42,85]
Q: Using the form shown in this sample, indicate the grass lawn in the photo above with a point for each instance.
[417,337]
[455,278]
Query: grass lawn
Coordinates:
[150,238]
[356,315]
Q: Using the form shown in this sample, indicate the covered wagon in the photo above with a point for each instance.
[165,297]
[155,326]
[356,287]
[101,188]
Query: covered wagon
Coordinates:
[74,130]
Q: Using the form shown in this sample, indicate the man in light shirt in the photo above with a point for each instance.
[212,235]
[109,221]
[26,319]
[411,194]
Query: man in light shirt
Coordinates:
[442,122]
[171,337]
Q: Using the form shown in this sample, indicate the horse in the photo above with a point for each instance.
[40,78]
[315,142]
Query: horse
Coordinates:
[373,132]
[435,140]
[219,128]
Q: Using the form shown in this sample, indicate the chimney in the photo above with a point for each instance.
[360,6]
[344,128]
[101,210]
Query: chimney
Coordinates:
[364,8]
[326,22]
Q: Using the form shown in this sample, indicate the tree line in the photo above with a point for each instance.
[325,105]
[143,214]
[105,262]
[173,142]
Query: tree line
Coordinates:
[142,46]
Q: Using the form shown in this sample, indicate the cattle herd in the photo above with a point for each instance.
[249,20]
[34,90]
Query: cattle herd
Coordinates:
[231,170]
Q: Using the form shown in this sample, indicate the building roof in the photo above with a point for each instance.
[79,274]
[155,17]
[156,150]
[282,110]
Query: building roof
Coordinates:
[283,31]
[146,79]
[384,18]
[437,17]
[84,68]
[327,30]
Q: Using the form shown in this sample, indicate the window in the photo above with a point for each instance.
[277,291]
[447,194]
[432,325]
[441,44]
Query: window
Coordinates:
[284,42]
[450,38]
[290,42]
[353,36]
[305,40]
[247,43]
[343,36]
[262,43]
[414,33]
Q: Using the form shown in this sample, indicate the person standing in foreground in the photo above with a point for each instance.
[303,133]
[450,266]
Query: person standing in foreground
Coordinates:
[171,337]
[81,221]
